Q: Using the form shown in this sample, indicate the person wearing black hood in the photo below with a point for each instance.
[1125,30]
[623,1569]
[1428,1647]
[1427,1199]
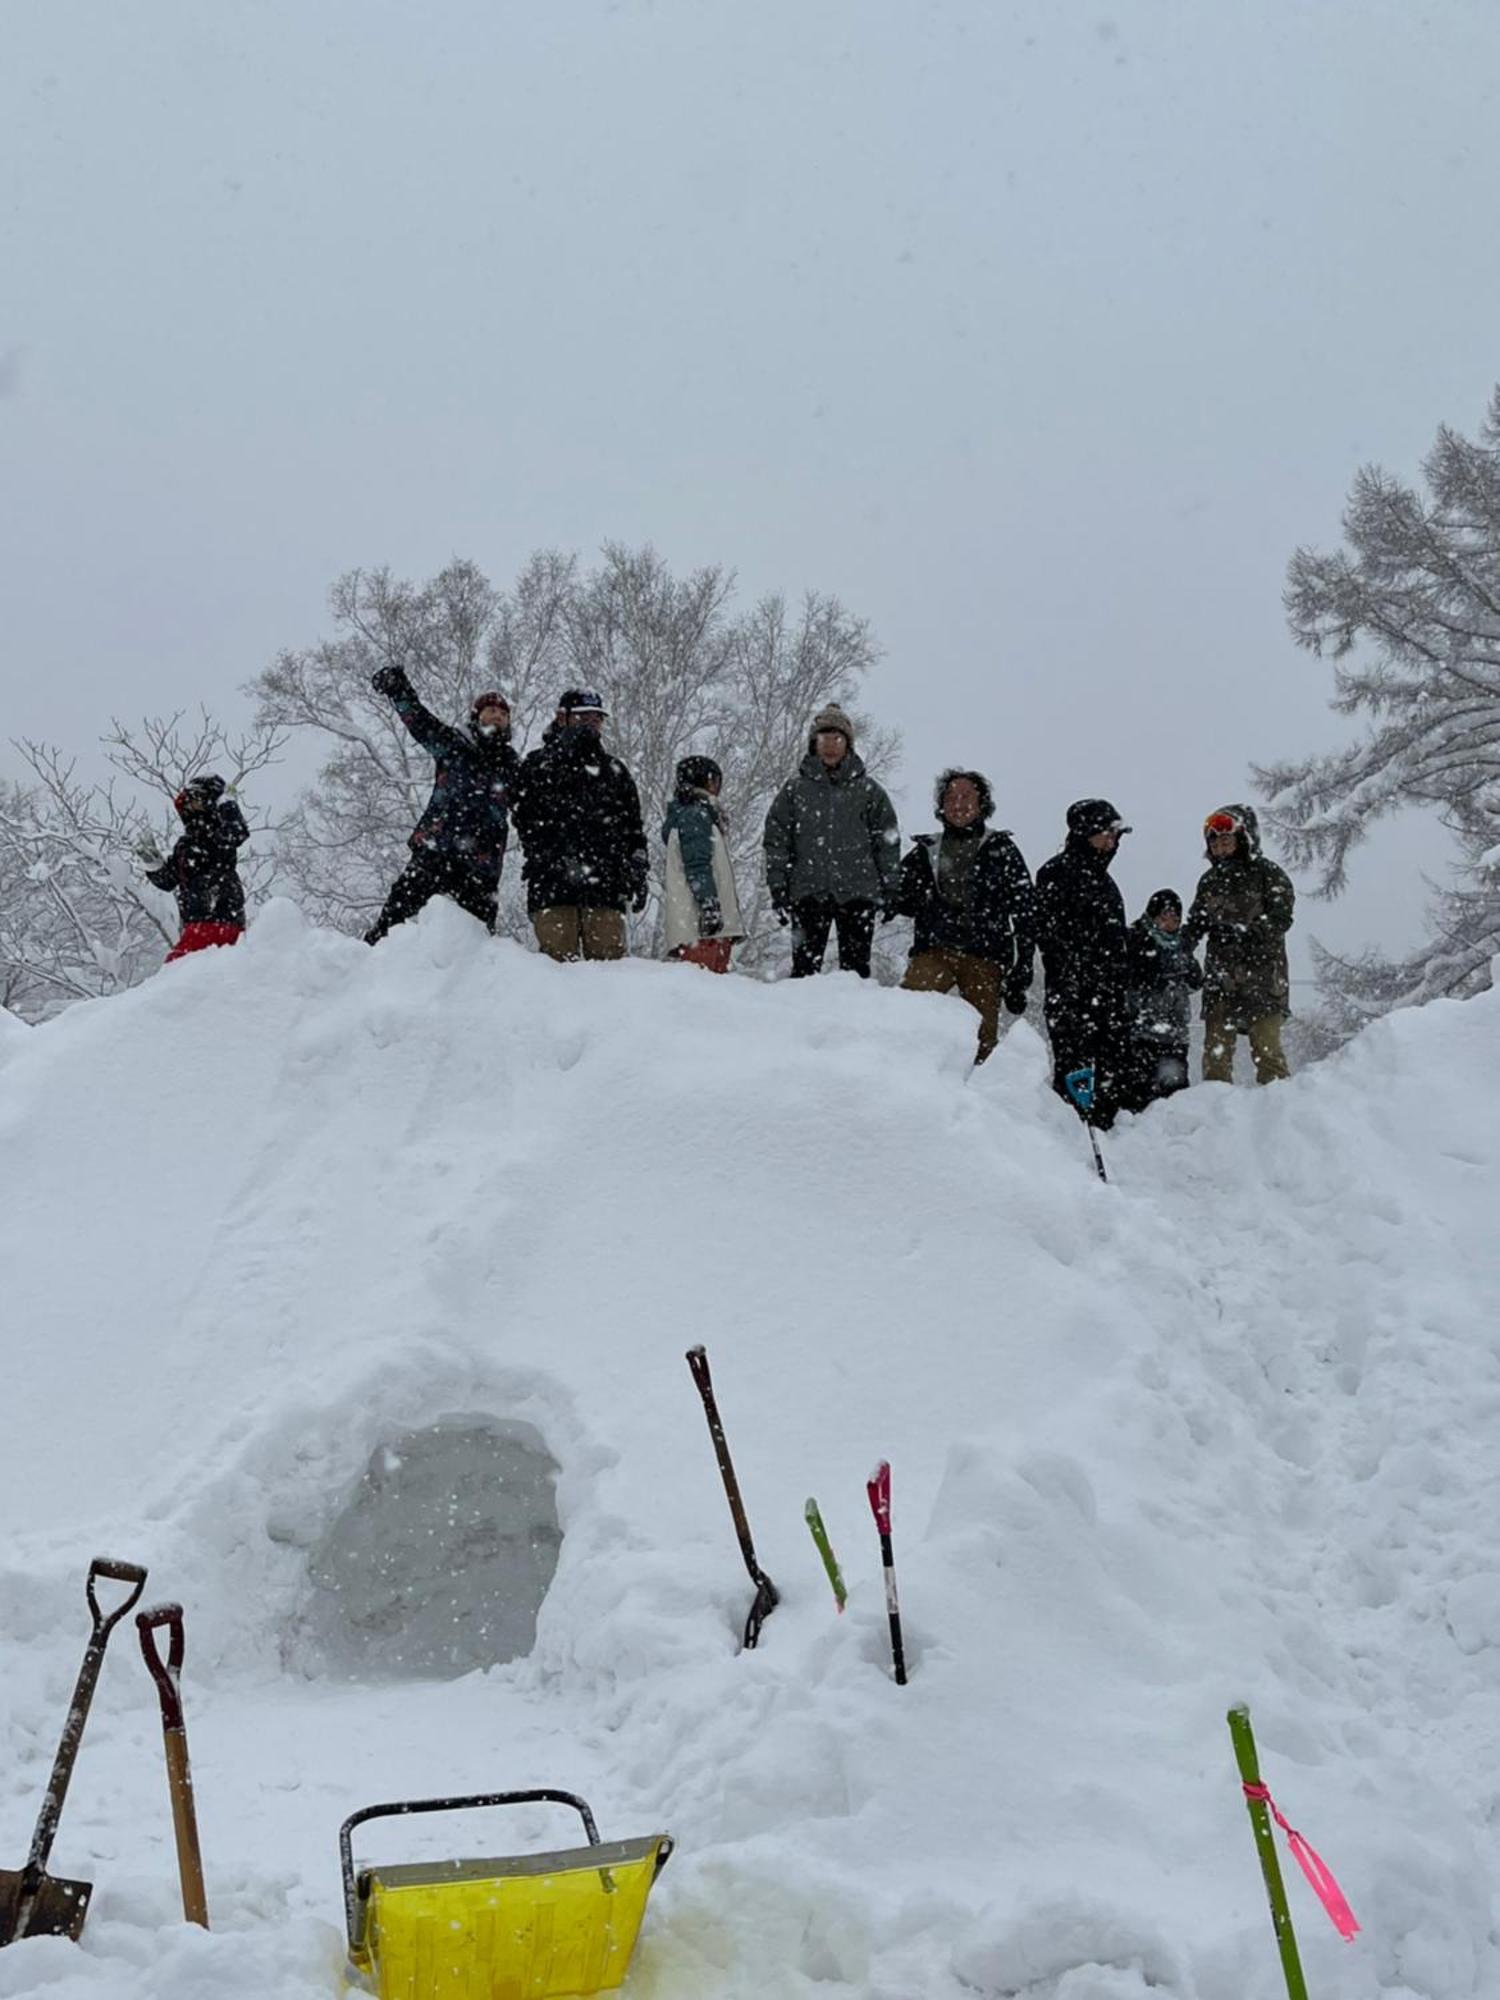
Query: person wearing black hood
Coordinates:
[973,908]
[1163,977]
[579,818]
[458,845]
[1082,935]
[1243,906]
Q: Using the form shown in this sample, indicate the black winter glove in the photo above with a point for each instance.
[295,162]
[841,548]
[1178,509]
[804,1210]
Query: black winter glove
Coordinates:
[710,919]
[390,681]
[781,911]
[640,896]
[1015,999]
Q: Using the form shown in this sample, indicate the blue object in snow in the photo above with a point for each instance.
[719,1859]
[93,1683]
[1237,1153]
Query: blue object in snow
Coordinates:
[1079,1084]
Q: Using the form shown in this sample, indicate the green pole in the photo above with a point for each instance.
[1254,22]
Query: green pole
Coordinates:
[1265,1847]
[819,1534]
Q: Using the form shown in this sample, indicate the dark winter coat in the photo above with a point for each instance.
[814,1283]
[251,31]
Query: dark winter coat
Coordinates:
[467,819]
[1164,975]
[1243,906]
[831,837]
[968,890]
[202,870]
[579,818]
[1081,920]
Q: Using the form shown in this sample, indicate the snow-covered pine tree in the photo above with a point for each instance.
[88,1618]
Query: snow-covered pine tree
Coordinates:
[1413,603]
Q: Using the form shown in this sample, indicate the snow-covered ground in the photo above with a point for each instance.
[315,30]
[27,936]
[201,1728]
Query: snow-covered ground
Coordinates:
[1222,1430]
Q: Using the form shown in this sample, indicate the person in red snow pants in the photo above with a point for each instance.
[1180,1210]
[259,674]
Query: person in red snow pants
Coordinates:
[202,870]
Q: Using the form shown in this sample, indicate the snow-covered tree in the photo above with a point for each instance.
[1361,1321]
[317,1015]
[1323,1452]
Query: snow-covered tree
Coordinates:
[456,636]
[1416,590]
[677,669]
[77,917]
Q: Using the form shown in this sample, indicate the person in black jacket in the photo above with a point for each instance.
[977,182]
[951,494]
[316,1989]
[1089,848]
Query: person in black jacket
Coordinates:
[1082,929]
[202,870]
[458,845]
[970,897]
[579,818]
[1163,978]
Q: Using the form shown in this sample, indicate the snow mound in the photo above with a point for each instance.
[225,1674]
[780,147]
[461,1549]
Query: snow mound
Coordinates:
[1218,1431]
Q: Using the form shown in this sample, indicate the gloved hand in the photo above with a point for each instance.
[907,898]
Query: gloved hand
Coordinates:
[782,911]
[390,681]
[640,896]
[1015,999]
[147,852]
[710,918]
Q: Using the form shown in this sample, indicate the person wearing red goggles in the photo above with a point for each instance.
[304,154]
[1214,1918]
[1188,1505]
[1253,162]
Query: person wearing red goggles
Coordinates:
[1242,910]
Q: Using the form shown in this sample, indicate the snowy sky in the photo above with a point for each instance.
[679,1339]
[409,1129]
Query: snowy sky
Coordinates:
[1039,332]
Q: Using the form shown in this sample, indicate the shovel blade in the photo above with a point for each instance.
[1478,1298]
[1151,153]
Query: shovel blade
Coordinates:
[54,1908]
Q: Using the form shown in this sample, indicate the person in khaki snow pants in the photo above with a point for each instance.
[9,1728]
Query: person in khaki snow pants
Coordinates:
[973,907]
[579,817]
[1243,907]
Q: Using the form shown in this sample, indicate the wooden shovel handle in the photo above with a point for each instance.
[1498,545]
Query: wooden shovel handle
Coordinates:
[167,1675]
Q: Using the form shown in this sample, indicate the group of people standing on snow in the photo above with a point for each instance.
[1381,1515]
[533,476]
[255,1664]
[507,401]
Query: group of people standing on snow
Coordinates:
[1117,996]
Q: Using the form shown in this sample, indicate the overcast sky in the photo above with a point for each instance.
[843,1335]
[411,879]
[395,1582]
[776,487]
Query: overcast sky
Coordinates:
[1040,333]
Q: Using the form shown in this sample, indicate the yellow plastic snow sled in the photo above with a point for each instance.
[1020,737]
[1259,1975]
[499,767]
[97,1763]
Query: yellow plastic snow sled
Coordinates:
[553,1926]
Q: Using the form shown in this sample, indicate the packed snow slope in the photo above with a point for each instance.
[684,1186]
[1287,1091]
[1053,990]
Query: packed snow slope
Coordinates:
[1224,1429]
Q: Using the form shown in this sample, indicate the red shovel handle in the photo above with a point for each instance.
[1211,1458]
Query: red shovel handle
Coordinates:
[879,1490]
[164,1672]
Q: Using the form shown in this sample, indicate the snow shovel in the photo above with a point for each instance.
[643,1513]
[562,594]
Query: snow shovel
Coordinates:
[767,1597]
[167,1673]
[32,1902]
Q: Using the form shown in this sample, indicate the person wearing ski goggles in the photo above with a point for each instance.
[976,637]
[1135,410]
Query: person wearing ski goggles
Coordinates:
[1242,910]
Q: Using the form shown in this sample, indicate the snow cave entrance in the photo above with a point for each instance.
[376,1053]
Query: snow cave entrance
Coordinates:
[441,1556]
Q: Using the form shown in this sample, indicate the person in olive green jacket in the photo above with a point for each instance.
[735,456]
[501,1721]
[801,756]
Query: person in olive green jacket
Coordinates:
[1243,907]
[833,851]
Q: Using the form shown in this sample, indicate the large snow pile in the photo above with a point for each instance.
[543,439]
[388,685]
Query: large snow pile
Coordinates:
[1223,1429]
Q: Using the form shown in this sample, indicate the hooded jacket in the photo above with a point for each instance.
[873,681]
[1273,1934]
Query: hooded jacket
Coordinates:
[699,871]
[202,870]
[467,818]
[1082,933]
[831,836]
[1243,906]
[579,818]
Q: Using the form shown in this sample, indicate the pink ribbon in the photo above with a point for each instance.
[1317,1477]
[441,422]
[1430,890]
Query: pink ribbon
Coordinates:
[1313,1866]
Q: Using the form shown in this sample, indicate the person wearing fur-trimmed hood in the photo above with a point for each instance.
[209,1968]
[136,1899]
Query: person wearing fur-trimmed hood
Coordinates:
[700,906]
[970,896]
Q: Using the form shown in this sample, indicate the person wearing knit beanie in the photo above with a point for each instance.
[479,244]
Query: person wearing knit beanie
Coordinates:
[833,850]
[831,721]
